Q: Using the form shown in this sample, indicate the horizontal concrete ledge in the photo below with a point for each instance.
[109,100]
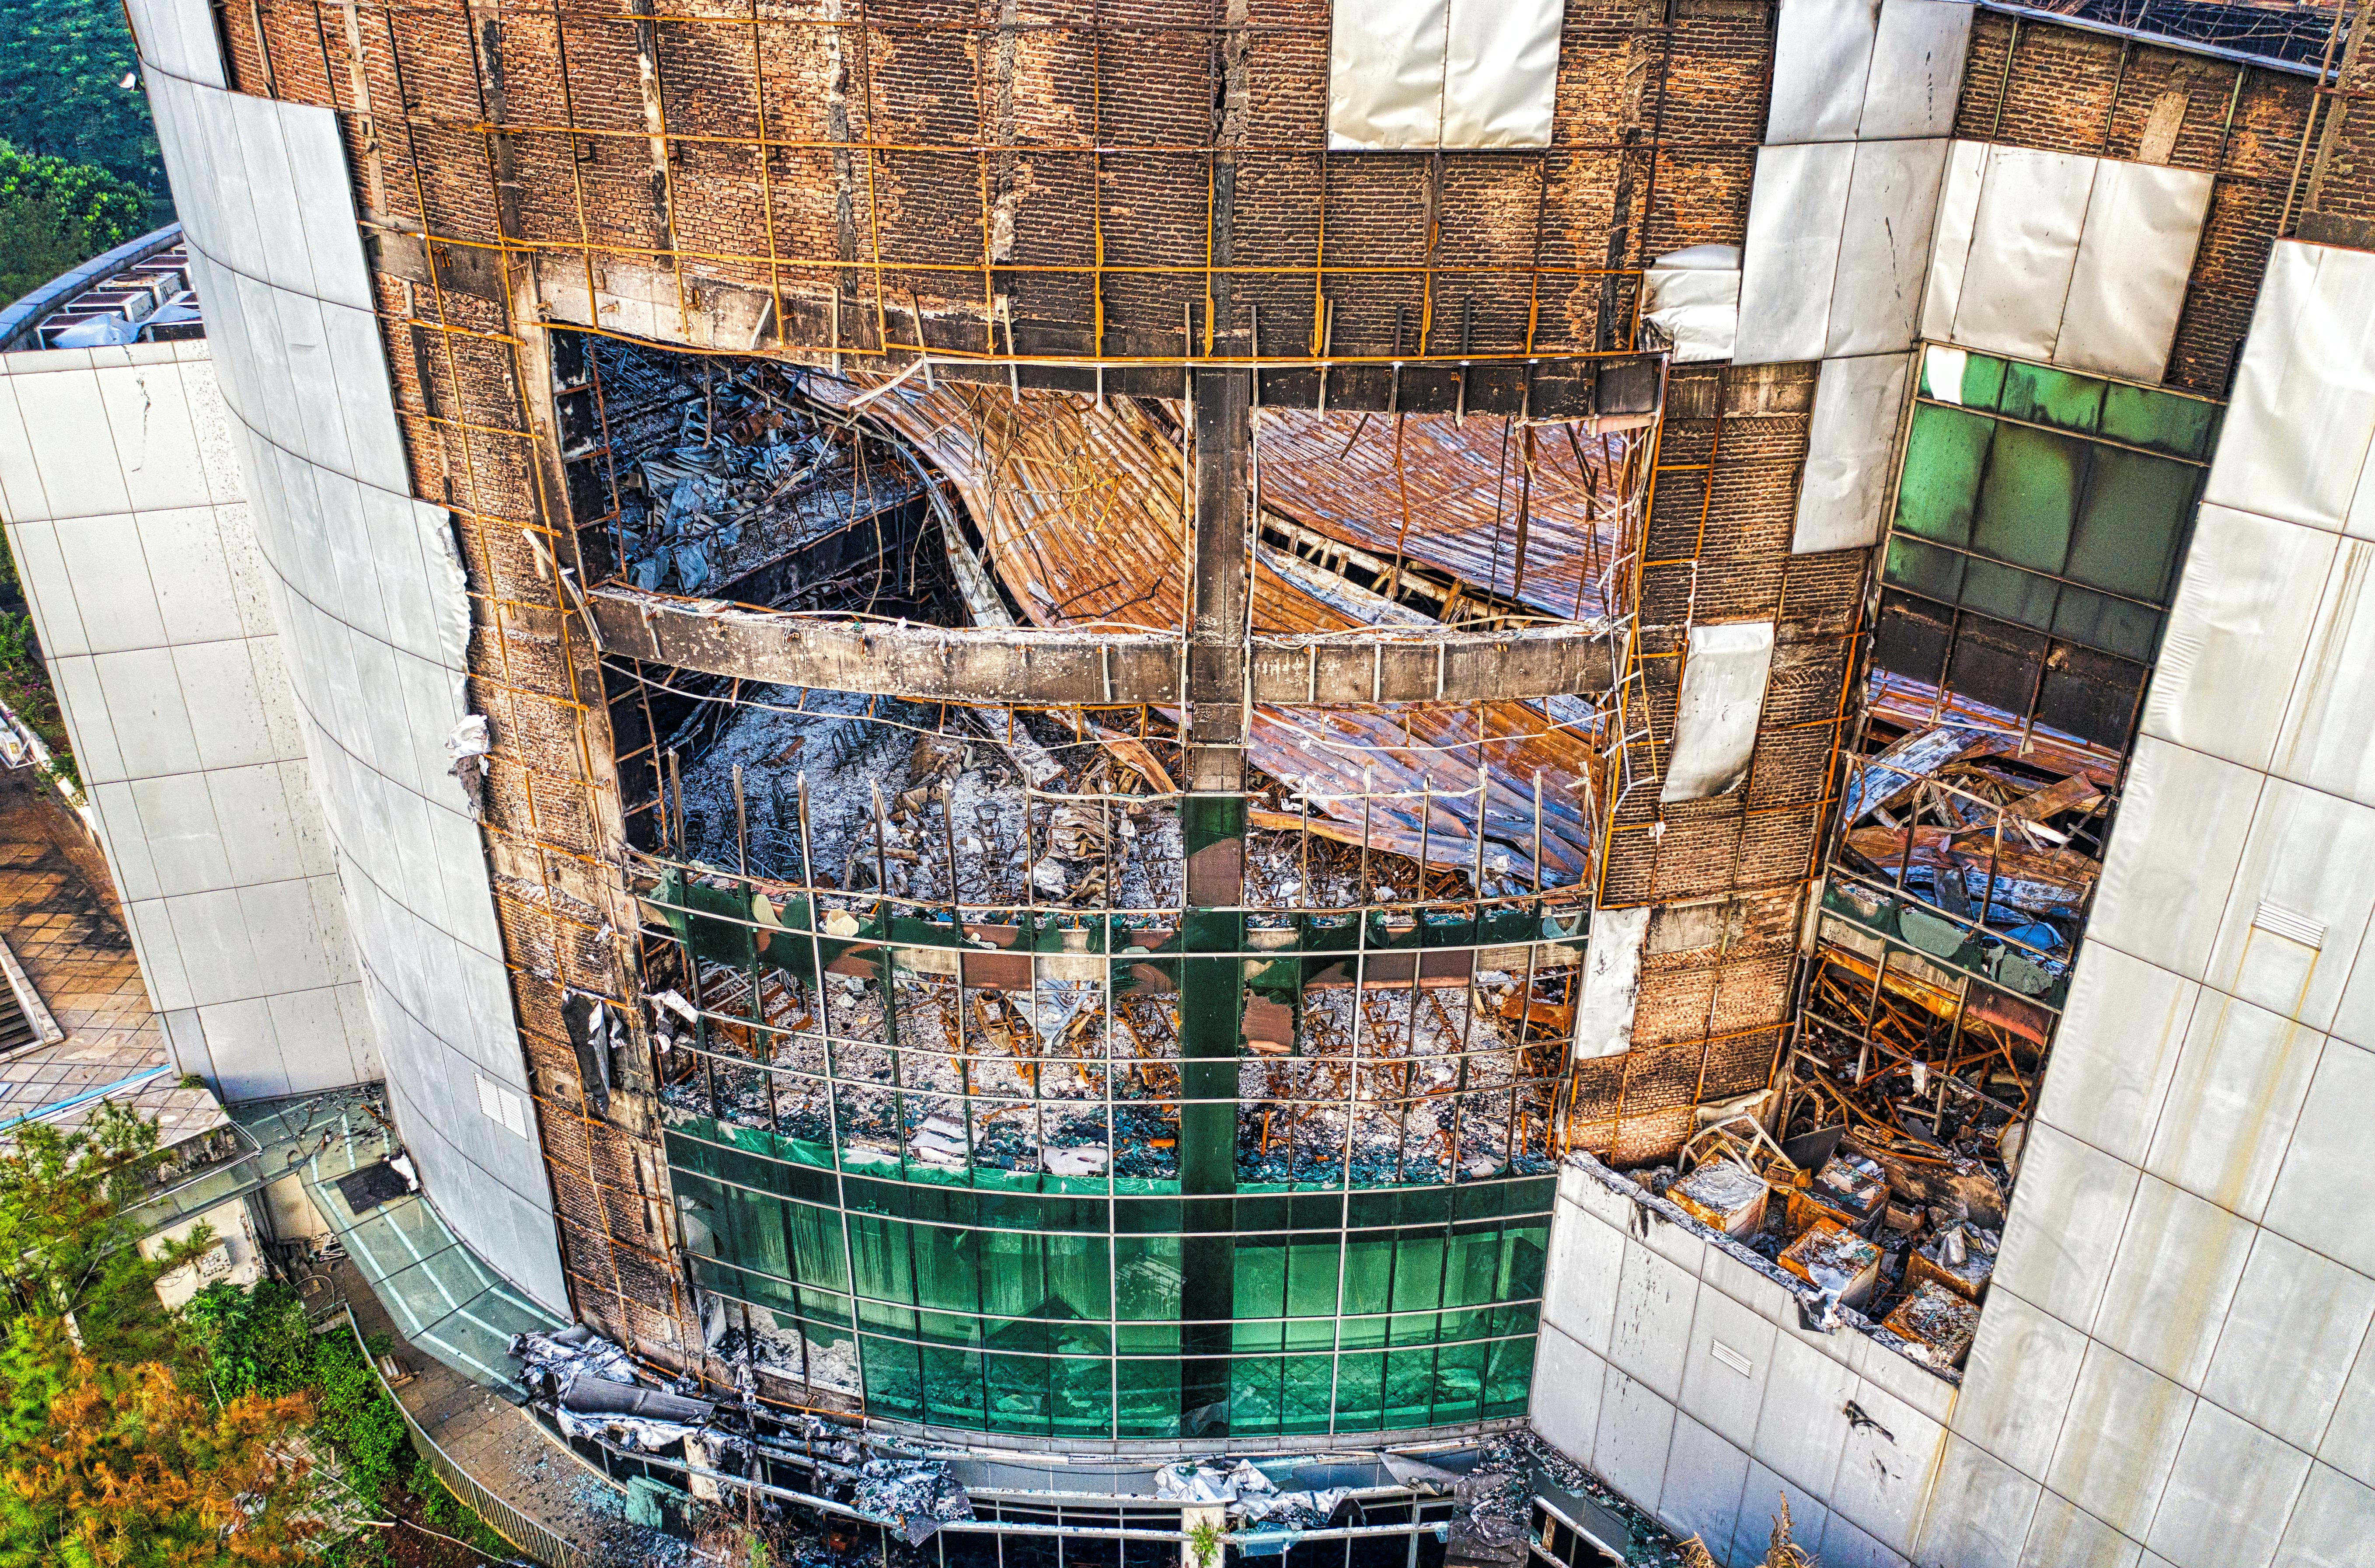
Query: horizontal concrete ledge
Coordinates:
[1055,668]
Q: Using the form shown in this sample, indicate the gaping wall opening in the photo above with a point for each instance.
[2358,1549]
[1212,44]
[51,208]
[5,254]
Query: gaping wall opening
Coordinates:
[975,1112]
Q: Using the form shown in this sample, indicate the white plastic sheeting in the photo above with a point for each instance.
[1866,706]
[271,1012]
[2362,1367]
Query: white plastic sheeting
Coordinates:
[1843,498]
[1443,73]
[1848,70]
[1797,208]
[2295,441]
[1715,716]
[2059,257]
[1692,296]
[2143,224]
[1612,982]
[1838,240]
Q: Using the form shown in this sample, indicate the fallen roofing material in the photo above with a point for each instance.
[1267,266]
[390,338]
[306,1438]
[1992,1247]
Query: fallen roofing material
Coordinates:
[1084,512]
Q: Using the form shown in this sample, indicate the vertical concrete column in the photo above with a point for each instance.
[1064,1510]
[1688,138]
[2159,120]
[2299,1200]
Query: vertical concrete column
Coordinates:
[1213,823]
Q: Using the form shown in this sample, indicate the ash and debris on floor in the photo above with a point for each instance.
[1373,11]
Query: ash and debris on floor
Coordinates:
[721,468]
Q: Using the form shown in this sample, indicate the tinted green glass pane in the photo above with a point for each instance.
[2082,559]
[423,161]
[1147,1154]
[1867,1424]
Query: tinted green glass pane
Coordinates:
[1945,456]
[1311,1278]
[1080,1276]
[893,1385]
[1525,1249]
[2159,419]
[1146,1277]
[1414,1329]
[1249,1335]
[1360,1392]
[1368,1272]
[1471,1267]
[1082,1391]
[1148,1395]
[2051,397]
[2008,593]
[2113,625]
[2128,528]
[1362,1333]
[2030,498]
[817,1257]
[1017,1389]
[1305,1392]
[1253,1396]
[1261,1277]
[1925,570]
[1508,1377]
[1418,1271]
[952,1391]
[1310,1334]
[947,1276]
[947,1329]
[878,1250]
[1458,1383]
[1956,375]
[1410,1389]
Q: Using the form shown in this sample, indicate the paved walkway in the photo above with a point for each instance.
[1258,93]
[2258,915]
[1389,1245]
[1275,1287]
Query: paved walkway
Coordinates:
[59,915]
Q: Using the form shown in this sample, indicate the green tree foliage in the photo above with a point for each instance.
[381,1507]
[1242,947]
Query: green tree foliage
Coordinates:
[257,1342]
[54,214]
[107,1456]
[60,93]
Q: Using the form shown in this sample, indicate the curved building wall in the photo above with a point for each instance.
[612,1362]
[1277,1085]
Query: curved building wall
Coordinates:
[368,587]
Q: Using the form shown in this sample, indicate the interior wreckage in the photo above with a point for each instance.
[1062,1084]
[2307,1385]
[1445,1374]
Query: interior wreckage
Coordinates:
[936,939]
[1414,873]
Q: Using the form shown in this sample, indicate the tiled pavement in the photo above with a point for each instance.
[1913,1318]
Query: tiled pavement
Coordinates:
[68,935]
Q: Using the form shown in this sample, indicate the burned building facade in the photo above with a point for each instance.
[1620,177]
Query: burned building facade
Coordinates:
[1162,730]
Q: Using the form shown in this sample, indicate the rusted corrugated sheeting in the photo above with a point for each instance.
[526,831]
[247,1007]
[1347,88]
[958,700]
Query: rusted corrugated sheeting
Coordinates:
[1471,493]
[1084,512]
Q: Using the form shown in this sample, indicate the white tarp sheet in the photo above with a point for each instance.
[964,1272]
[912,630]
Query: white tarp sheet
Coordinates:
[1715,716]
[1797,211]
[1917,69]
[1843,499]
[1612,982]
[1885,247]
[1692,296]
[2295,443]
[2023,244]
[2064,258]
[2143,225]
[1443,73]
[1822,50]
[1847,70]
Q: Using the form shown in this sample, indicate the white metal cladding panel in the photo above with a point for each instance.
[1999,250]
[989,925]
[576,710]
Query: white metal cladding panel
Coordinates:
[1849,70]
[1885,247]
[1843,498]
[1612,982]
[1822,50]
[1917,52]
[1714,716]
[1501,71]
[1443,73]
[2298,428]
[376,619]
[178,36]
[1385,74]
[2024,245]
[1797,209]
[2144,223]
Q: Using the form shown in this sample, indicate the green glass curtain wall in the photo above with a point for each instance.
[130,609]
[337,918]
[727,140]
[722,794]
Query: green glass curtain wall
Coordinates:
[1055,1315]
